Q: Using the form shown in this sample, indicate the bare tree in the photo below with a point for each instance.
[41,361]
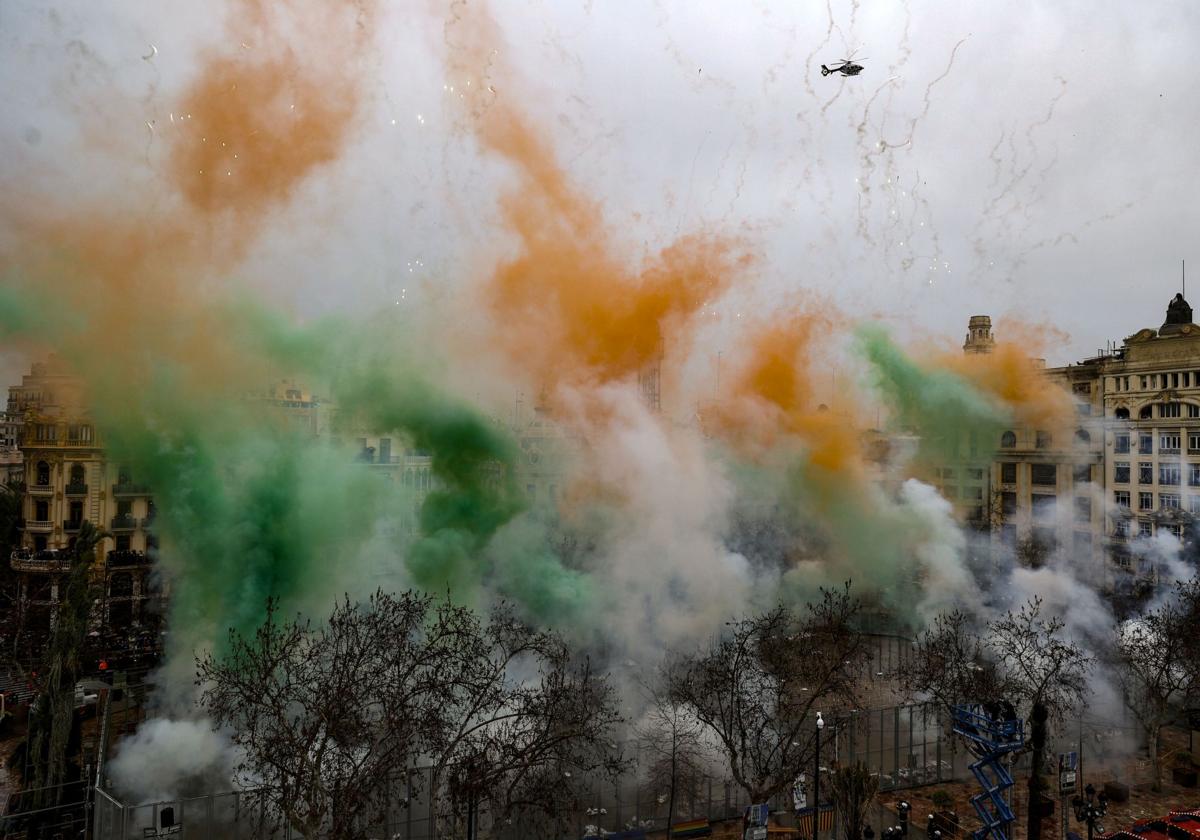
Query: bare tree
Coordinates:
[330,718]
[523,725]
[1152,666]
[1020,656]
[1046,671]
[853,789]
[672,739]
[757,689]
[950,664]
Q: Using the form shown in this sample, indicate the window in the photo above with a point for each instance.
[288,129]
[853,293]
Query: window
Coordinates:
[1082,438]
[1145,413]
[1083,509]
[41,511]
[1008,440]
[1168,474]
[385,450]
[1193,504]
[1145,529]
[1082,473]
[42,474]
[1121,472]
[950,491]
[1193,441]
[1008,535]
[1168,442]
[949,473]
[1044,475]
[1008,503]
[1121,414]
[1121,498]
[1168,501]
[1044,440]
[1044,506]
[78,474]
[1008,473]
[1174,380]
[79,434]
[122,542]
[975,474]
[1169,410]
[1145,443]
[1145,501]
[1145,382]
[46,432]
[1194,475]
[76,514]
[1127,386]
[1121,442]
[1145,472]
[1083,543]
[1082,387]
[1121,528]
[972,492]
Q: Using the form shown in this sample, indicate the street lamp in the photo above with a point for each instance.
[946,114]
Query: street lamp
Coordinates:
[817,779]
[931,829]
[1091,809]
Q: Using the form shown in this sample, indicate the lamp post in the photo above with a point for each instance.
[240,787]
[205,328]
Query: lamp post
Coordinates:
[1091,809]
[817,778]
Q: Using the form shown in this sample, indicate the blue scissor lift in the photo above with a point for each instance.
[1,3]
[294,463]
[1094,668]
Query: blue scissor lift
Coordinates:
[990,738]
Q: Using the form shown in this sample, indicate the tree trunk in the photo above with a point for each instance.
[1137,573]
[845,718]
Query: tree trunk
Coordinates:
[1155,759]
[671,792]
[1037,720]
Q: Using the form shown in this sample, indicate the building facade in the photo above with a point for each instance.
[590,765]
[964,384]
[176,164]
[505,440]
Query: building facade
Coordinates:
[67,481]
[1130,469]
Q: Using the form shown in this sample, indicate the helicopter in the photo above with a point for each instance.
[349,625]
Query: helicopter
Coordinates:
[844,66]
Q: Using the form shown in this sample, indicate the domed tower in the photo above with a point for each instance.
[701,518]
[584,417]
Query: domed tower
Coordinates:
[1179,314]
[979,335]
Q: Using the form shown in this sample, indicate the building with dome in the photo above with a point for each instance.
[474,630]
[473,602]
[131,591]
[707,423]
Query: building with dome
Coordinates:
[1132,467]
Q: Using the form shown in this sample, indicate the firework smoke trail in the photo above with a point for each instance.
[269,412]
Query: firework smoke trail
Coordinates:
[1018,193]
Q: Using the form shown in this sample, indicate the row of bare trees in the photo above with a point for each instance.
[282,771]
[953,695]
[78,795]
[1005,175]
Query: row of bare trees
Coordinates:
[511,723]
[330,720]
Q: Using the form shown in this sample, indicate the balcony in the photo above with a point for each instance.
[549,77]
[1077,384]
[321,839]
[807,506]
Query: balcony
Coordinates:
[71,526]
[47,560]
[124,522]
[128,488]
[40,489]
[76,489]
[39,525]
[126,557]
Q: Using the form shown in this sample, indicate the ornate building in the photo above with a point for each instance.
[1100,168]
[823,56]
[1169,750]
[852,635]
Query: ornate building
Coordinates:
[1131,467]
[68,481]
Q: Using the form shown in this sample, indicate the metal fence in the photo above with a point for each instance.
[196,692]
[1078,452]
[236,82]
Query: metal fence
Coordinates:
[905,745]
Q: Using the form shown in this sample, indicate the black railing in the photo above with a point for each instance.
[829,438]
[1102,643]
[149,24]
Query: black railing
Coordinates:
[76,489]
[128,488]
[72,524]
[127,557]
[124,522]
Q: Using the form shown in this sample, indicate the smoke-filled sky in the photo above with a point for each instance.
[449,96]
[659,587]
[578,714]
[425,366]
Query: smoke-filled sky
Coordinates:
[1038,153]
[421,211]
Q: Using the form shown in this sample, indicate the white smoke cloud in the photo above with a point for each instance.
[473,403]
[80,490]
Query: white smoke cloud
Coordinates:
[171,757]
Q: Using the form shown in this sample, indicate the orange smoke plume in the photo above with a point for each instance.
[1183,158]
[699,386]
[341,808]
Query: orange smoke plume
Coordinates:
[1011,375]
[772,397]
[260,118]
[571,308]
